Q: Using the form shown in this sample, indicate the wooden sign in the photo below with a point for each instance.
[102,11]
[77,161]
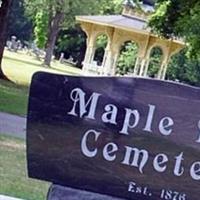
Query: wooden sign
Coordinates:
[130,138]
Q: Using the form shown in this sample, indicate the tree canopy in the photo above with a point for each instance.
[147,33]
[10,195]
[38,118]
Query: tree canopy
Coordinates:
[54,29]
[4,13]
[177,18]
[72,41]
[18,23]
[59,14]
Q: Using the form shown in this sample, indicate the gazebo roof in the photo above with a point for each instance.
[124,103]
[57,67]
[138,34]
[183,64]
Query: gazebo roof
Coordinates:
[133,23]
[129,20]
[117,21]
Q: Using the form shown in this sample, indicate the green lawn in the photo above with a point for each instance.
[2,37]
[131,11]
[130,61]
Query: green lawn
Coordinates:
[13,98]
[13,172]
[20,67]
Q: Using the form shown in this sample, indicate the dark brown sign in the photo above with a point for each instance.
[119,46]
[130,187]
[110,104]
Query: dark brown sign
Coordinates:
[126,137]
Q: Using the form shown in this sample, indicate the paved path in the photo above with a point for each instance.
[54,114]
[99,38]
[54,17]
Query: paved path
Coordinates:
[12,125]
[2,197]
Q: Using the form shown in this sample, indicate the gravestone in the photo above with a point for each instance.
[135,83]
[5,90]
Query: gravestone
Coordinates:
[57,192]
[127,138]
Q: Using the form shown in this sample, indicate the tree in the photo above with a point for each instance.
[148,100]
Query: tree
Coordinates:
[72,41]
[60,14]
[154,62]
[19,24]
[183,69]
[110,7]
[177,18]
[127,58]
[41,25]
[4,12]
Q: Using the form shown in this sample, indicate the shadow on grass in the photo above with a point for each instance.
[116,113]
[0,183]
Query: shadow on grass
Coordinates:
[11,84]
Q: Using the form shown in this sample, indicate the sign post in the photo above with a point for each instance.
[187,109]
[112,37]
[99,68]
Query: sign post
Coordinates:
[128,138]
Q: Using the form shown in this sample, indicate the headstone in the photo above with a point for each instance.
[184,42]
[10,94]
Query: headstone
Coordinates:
[62,55]
[19,45]
[36,52]
[13,44]
[129,138]
[9,44]
[57,192]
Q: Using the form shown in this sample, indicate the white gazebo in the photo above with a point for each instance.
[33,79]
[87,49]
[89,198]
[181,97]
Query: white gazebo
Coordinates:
[130,25]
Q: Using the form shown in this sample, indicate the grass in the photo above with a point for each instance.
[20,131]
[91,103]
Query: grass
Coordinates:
[13,98]
[13,172]
[20,67]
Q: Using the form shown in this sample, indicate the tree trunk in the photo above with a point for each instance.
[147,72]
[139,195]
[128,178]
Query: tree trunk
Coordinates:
[4,12]
[52,36]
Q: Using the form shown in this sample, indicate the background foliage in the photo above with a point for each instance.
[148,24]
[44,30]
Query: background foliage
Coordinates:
[127,58]
[29,21]
[177,18]
[41,26]
[19,24]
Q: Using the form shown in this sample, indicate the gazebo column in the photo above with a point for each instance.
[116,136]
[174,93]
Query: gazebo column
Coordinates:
[143,67]
[163,70]
[164,65]
[111,63]
[107,60]
[108,63]
[160,72]
[165,62]
[141,59]
[115,59]
[137,66]
[87,28]
[88,57]
[89,54]
[146,67]
[171,51]
[143,56]
[111,58]
[106,53]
